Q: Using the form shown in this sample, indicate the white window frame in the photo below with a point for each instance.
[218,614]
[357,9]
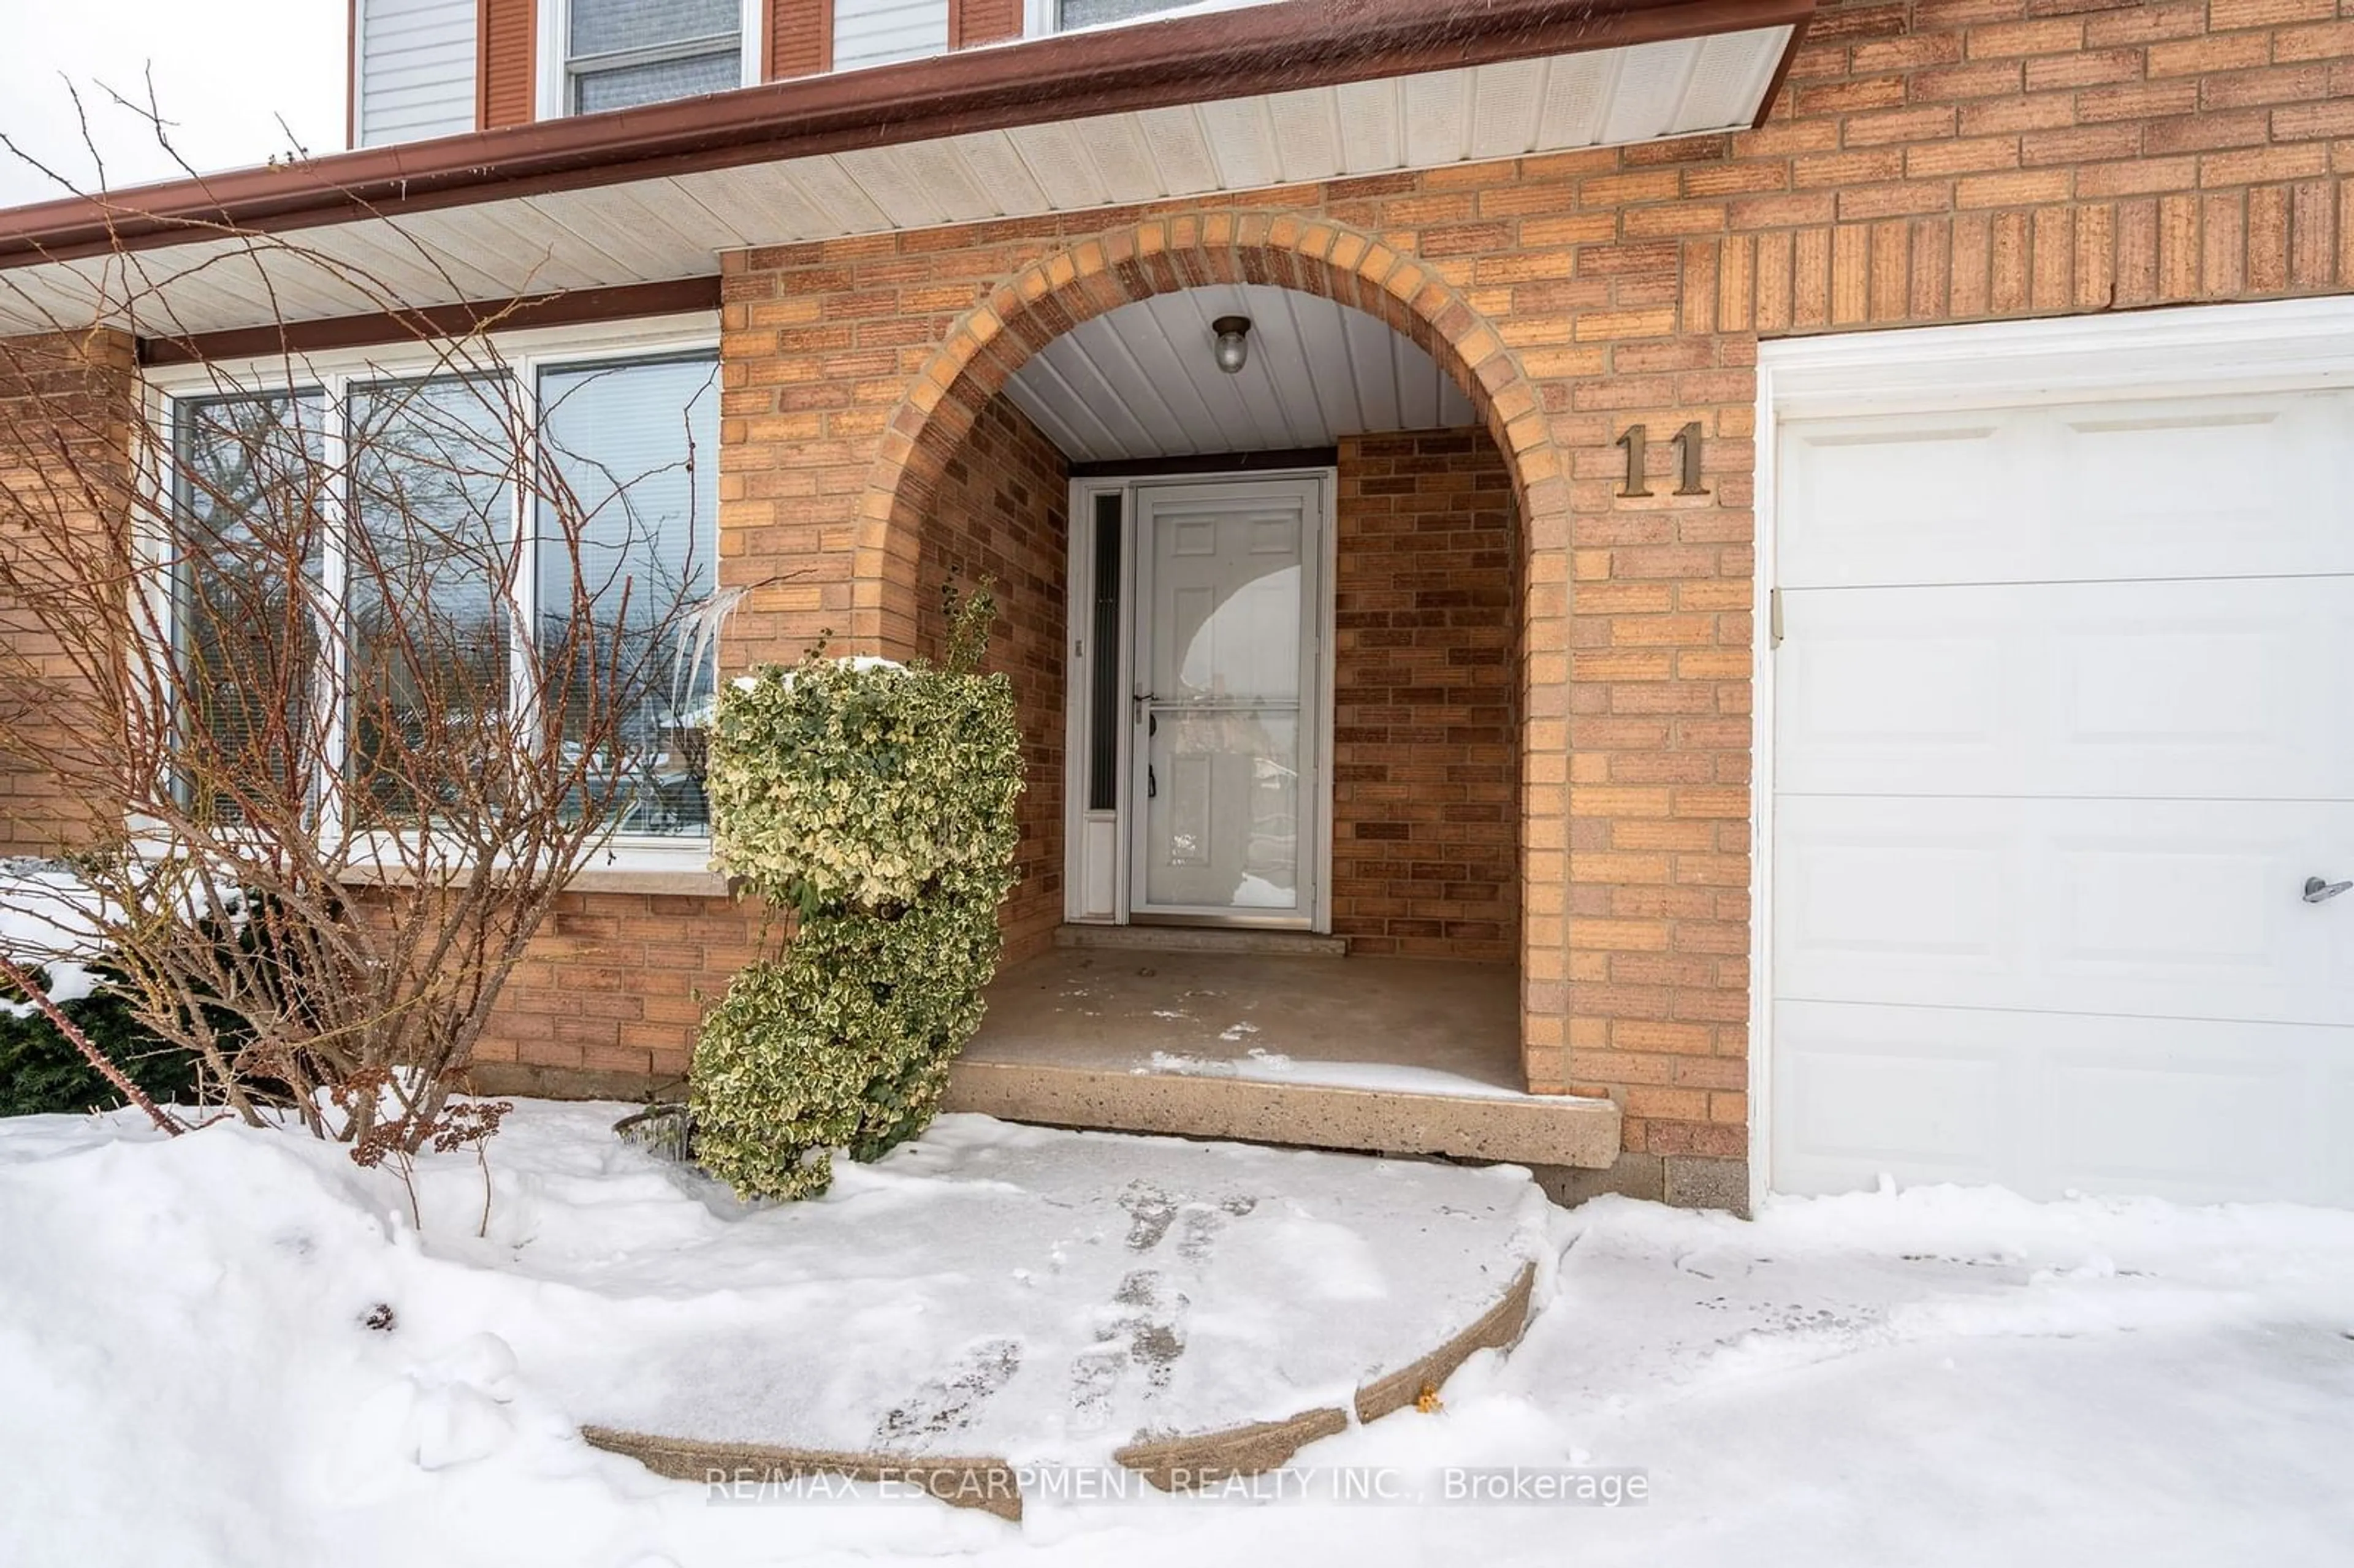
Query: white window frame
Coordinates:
[555,99]
[642,862]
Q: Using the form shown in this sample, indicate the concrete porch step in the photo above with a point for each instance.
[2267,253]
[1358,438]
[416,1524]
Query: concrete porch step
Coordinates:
[1200,939]
[1524,1130]
[1375,1054]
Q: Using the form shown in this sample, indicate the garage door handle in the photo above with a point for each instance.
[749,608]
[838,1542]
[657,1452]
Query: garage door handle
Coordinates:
[2319,892]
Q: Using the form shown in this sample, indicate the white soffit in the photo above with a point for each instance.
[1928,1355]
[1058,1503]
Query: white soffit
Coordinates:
[676,226]
[1138,381]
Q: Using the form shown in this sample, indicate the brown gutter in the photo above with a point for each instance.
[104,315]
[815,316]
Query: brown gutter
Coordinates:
[1184,59]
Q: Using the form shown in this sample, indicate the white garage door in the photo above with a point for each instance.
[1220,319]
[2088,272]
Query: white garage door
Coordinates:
[2063,721]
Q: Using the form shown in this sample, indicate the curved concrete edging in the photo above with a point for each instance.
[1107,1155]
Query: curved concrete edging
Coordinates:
[1171,1464]
[986,1484]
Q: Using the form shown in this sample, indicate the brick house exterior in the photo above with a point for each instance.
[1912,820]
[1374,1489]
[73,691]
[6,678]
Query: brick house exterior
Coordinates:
[1544,687]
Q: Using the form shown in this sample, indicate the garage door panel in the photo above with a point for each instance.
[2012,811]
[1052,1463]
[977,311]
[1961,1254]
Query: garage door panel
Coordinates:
[2258,484]
[2194,1119]
[2230,688]
[1858,1092]
[2143,908]
[1867,901]
[2199,487]
[2051,1103]
[1879,494]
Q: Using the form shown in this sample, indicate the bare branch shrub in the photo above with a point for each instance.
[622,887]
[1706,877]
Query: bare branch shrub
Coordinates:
[333,688]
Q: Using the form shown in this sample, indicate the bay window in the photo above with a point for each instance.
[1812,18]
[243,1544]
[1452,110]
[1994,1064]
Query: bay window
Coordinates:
[381,567]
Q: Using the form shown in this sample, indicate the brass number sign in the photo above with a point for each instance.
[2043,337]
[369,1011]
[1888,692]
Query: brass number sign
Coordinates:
[1637,441]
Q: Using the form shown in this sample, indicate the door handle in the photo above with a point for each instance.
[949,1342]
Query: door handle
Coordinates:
[1142,701]
[2320,892]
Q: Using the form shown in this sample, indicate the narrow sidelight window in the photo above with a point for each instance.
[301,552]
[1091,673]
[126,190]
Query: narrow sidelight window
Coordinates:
[1103,692]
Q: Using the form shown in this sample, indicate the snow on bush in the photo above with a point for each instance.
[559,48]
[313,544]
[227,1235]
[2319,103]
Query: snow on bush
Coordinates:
[49,932]
[874,803]
[43,925]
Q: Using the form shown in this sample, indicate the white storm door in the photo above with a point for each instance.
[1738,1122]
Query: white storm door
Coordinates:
[1226,802]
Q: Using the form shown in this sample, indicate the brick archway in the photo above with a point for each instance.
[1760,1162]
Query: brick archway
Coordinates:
[1050,296]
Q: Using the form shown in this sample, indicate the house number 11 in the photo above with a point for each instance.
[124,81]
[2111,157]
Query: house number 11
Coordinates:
[1637,441]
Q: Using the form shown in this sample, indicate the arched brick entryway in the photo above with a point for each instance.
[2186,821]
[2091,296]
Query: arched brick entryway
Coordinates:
[1052,294]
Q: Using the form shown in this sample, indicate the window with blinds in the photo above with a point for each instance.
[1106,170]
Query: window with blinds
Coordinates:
[1070,14]
[433,498]
[441,588]
[631,448]
[250,481]
[621,53]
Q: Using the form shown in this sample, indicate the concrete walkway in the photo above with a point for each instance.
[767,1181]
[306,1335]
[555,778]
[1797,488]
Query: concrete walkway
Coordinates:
[990,1298]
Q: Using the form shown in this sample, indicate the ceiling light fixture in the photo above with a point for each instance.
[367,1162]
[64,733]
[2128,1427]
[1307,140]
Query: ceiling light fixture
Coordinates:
[1234,342]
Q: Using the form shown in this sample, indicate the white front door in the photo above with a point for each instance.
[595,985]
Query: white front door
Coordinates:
[2063,725]
[1226,799]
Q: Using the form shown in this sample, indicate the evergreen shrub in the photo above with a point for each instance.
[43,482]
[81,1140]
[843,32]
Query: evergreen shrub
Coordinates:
[874,805]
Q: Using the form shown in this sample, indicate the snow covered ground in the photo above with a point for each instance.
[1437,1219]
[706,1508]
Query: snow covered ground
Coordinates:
[45,924]
[187,1375]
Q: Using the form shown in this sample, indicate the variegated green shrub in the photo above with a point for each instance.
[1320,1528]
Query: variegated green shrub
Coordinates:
[875,802]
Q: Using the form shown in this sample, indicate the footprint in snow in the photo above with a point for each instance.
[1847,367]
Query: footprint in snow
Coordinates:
[950,1401]
[1150,1213]
[1142,1332]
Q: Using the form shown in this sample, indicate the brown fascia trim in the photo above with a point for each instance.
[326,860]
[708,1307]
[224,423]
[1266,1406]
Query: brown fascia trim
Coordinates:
[1184,59]
[623,301]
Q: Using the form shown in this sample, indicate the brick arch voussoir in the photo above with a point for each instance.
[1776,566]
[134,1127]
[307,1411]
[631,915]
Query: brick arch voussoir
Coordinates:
[1050,296]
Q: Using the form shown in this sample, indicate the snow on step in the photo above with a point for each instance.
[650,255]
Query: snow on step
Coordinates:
[1049,1295]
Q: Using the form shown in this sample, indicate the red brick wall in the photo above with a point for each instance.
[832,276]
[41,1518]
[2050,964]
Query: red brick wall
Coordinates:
[56,391]
[611,991]
[998,514]
[1928,161]
[1426,759]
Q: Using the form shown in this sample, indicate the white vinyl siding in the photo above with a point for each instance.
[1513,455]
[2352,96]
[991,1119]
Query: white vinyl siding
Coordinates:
[416,75]
[876,32]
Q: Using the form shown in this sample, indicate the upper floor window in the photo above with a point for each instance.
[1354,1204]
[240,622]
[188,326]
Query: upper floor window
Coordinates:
[619,54]
[1070,14]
